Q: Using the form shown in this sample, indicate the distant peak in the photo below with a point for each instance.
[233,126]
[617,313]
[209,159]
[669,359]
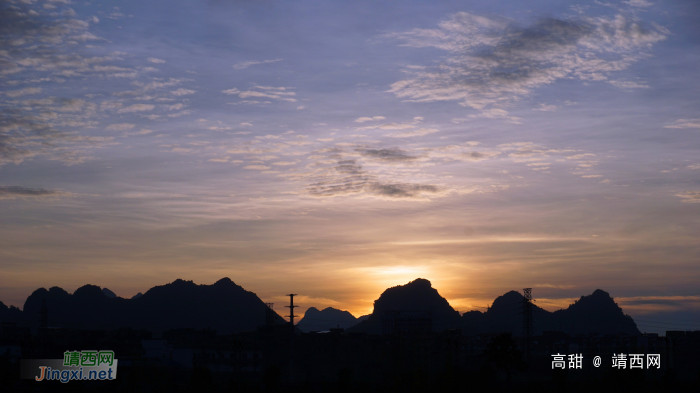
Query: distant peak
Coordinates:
[138,295]
[224,281]
[88,290]
[109,293]
[420,282]
[600,293]
[507,299]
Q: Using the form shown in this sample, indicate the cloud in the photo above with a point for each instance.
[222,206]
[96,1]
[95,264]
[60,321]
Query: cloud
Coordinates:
[690,196]
[182,92]
[392,126]
[408,134]
[136,108]
[492,62]
[246,64]
[364,119]
[245,124]
[393,155]
[629,85]
[462,153]
[277,93]
[694,166]
[156,61]
[110,105]
[18,192]
[546,108]
[143,131]
[498,113]
[639,3]
[156,84]
[685,123]
[120,127]
[476,156]
[301,107]
[23,92]
[257,167]
[24,135]
[347,178]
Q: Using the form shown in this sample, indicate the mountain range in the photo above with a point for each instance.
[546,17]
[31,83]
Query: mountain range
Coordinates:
[223,306]
[328,318]
[228,308]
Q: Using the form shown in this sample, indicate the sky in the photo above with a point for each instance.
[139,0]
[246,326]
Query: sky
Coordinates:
[335,149]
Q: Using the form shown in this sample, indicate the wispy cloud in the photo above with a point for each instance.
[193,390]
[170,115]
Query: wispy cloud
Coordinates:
[246,64]
[491,62]
[19,192]
[690,196]
[277,93]
[684,123]
[409,134]
[365,119]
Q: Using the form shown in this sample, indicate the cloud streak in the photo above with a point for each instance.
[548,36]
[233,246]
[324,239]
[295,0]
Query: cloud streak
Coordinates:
[19,192]
[492,62]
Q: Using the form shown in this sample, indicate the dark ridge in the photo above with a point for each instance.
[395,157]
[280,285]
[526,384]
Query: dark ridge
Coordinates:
[223,306]
[315,320]
[417,295]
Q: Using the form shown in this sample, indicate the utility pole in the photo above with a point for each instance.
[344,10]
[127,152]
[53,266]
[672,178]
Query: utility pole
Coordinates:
[291,336]
[291,309]
[527,320]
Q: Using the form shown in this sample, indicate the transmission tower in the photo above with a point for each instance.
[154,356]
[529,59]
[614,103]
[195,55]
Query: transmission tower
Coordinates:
[291,309]
[291,338]
[527,319]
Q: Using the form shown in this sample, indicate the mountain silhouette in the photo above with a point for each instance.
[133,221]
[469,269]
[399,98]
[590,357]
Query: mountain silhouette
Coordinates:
[9,314]
[315,320]
[228,308]
[595,313]
[109,293]
[223,306]
[417,295]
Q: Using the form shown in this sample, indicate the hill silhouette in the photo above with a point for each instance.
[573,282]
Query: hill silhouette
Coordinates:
[109,293]
[417,295]
[9,314]
[223,306]
[315,320]
[228,308]
[595,313]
